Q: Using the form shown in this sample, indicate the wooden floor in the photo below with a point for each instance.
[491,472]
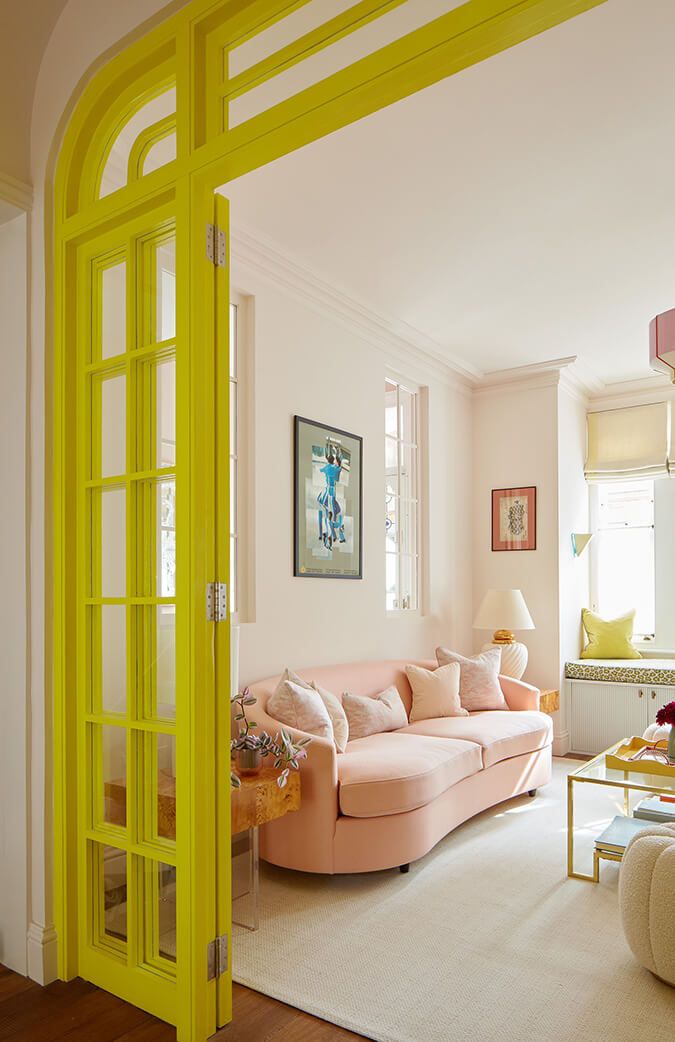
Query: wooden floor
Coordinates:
[79,1012]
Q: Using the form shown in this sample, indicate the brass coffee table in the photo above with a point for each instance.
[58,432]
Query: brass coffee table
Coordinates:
[596,772]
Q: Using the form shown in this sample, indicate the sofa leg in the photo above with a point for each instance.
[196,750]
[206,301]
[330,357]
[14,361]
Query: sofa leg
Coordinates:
[532,793]
[404,868]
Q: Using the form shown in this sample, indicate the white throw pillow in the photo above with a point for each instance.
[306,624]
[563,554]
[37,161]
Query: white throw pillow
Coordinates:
[479,686]
[384,712]
[338,717]
[435,692]
[299,705]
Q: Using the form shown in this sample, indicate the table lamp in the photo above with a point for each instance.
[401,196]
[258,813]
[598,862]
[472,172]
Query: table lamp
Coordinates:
[505,611]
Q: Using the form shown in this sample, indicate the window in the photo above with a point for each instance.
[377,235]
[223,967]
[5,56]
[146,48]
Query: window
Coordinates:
[401,460]
[623,553]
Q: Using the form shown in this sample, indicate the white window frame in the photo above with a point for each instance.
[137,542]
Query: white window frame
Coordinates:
[242,454]
[594,503]
[415,499]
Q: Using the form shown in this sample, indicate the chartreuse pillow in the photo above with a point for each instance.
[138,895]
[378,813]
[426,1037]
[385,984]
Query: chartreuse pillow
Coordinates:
[609,638]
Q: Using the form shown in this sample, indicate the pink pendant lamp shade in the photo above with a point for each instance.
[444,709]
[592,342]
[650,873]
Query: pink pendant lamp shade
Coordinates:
[662,343]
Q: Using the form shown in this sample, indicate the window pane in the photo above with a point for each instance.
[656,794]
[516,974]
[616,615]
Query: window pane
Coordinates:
[166,290]
[113,658]
[166,544]
[112,551]
[408,579]
[114,766]
[159,154]
[401,497]
[391,524]
[390,455]
[114,310]
[392,582]
[166,413]
[114,891]
[113,427]
[407,415]
[408,525]
[626,575]
[408,472]
[626,504]
[390,410]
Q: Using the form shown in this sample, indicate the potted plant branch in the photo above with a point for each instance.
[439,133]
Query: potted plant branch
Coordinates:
[249,749]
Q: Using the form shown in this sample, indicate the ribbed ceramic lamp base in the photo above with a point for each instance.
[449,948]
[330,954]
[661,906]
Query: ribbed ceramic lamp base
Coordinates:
[514,658]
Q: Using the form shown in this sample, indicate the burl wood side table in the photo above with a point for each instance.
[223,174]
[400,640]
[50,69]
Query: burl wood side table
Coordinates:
[258,801]
[549,701]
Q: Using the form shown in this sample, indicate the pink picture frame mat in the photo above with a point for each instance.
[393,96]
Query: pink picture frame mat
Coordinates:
[530,492]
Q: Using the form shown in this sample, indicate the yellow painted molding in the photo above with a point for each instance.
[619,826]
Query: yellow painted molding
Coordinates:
[18,193]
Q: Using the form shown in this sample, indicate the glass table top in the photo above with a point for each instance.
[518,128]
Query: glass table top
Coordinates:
[596,770]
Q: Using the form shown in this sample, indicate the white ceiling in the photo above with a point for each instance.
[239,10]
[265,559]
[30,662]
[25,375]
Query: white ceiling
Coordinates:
[520,211]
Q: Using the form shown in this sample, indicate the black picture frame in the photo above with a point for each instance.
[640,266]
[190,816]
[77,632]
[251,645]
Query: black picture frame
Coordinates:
[301,568]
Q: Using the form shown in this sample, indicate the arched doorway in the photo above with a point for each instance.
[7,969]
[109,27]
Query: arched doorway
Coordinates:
[141,444]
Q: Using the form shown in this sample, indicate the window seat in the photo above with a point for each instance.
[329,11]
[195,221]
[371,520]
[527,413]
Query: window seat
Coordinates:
[623,671]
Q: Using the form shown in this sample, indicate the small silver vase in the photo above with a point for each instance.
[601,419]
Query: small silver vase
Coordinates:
[249,761]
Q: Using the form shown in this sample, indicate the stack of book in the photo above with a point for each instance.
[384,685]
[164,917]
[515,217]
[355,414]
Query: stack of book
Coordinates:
[656,808]
[619,833]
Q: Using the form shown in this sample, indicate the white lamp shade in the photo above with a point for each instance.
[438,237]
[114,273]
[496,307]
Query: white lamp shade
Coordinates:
[503,610]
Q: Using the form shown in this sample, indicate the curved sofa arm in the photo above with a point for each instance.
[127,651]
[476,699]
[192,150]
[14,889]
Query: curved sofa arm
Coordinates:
[304,838]
[519,695]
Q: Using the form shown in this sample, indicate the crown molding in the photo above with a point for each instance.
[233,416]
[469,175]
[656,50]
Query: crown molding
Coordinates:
[402,344]
[18,193]
[551,373]
[625,393]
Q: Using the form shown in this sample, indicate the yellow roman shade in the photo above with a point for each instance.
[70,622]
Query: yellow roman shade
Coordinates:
[630,443]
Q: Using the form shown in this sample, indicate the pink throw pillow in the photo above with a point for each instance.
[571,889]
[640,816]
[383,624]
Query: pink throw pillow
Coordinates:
[479,686]
[384,712]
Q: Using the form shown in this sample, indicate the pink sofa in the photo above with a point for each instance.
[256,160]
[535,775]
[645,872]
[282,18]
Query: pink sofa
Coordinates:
[389,798]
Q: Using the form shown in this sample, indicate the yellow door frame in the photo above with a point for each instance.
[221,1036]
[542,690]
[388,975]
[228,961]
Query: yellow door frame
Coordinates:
[191,49]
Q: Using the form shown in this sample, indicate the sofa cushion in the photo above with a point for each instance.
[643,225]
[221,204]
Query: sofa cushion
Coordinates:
[435,692]
[395,772]
[500,734]
[296,704]
[479,686]
[366,716]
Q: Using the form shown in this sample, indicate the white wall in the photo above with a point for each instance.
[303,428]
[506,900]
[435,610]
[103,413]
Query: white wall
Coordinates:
[515,444]
[13,602]
[307,363]
[573,508]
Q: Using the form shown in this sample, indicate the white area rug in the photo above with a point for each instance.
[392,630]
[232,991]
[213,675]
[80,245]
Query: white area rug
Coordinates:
[485,940]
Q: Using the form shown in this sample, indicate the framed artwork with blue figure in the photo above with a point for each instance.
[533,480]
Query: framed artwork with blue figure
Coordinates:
[328,502]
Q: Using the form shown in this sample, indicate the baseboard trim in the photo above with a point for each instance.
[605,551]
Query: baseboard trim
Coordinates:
[561,743]
[42,953]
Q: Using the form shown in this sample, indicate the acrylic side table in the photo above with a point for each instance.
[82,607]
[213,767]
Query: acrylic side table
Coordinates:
[257,801]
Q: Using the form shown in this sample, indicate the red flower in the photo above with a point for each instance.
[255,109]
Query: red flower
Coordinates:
[666,715]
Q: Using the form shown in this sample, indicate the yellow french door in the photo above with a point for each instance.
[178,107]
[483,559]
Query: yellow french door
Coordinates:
[146,547]
[224,433]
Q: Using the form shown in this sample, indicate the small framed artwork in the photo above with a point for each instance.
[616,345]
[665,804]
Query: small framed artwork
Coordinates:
[328,479]
[514,518]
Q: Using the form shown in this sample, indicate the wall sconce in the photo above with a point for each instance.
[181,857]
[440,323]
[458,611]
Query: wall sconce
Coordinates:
[580,541]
